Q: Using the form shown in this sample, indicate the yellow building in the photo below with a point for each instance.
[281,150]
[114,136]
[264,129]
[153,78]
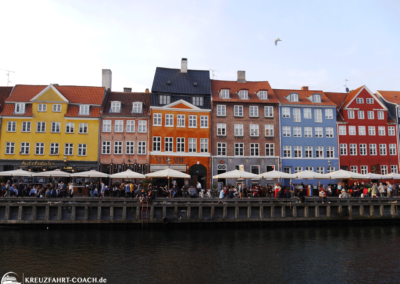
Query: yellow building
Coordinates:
[49,127]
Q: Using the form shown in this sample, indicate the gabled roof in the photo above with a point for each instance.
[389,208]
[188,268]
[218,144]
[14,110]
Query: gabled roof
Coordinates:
[234,87]
[183,103]
[168,80]
[9,110]
[74,94]
[126,99]
[390,96]
[4,93]
[337,98]
[51,86]
[303,97]
[354,93]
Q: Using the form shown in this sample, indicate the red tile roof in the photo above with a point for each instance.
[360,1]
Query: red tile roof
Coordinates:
[4,93]
[351,96]
[9,110]
[303,97]
[126,99]
[234,87]
[337,98]
[73,111]
[75,94]
[390,96]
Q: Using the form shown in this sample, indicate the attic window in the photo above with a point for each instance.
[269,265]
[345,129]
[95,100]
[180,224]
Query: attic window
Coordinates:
[294,97]
[244,95]
[316,98]
[137,107]
[195,84]
[263,95]
[84,110]
[225,93]
[168,82]
[19,108]
[164,99]
[115,107]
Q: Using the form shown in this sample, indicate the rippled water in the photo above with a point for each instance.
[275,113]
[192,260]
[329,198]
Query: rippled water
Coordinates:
[268,255]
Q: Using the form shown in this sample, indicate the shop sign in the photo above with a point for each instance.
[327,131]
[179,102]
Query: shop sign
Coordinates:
[37,163]
[174,160]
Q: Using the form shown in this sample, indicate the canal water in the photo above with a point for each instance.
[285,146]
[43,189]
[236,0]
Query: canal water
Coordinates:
[367,254]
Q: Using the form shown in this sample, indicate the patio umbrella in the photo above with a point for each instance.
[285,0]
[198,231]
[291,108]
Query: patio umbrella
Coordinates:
[236,174]
[55,173]
[16,173]
[276,175]
[392,176]
[127,174]
[375,176]
[168,173]
[90,174]
[342,174]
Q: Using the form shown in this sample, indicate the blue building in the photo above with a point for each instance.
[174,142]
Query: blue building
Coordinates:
[308,136]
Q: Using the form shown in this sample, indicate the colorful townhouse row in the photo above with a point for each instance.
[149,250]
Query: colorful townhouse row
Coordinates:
[199,126]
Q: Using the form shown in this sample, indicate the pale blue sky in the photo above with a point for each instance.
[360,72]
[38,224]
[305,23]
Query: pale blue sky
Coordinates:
[323,42]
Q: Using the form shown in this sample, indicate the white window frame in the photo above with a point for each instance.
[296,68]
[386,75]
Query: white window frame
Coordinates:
[384,169]
[82,150]
[328,113]
[296,114]
[106,148]
[297,151]
[221,149]
[244,94]
[343,149]
[203,145]
[308,133]
[308,151]
[364,170]
[68,149]
[370,101]
[360,114]
[11,126]
[269,130]
[381,131]
[307,113]
[350,114]
[372,150]
[106,126]
[392,149]
[203,121]
[286,131]
[225,93]
[192,148]
[253,111]
[319,132]
[142,127]
[238,111]
[371,131]
[287,151]
[254,149]
[238,128]
[56,107]
[39,125]
[156,143]
[363,149]
[318,151]
[192,121]
[329,132]
[118,126]
[55,127]
[394,169]
[382,150]
[141,148]
[130,147]
[180,144]
[24,148]
[297,131]
[359,100]
[371,114]
[342,130]
[269,149]
[180,120]
[115,107]
[42,108]
[169,120]
[391,131]
[39,146]
[268,111]
[118,147]
[84,110]
[70,127]
[130,126]
[351,128]
[361,130]
[168,144]
[286,112]
[19,108]
[254,130]
[381,116]
[10,148]
[137,107]
[221,110]
[318,115]
[26,126]
[239,149]
[330,151]
[157,120]
[54,149]
[353,149]
[221,129]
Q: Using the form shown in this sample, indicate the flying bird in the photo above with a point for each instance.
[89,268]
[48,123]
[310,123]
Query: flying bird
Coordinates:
[276,41]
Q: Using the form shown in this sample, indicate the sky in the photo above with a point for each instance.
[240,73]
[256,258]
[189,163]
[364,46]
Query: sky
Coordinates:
[323,42]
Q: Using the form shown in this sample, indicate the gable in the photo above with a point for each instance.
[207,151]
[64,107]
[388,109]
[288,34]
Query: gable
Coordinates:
[182,106]
[365,94]
[49,94]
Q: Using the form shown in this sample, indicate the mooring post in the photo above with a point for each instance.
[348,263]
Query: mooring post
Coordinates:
[19,213]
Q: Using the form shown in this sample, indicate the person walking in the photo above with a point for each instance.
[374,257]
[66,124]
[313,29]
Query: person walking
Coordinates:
[381,190]
[389,189]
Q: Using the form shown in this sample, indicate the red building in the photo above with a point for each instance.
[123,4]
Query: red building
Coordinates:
[366,133]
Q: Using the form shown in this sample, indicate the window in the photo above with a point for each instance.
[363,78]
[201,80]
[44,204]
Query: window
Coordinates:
[342,130]
[143,129]
[298,169]
[370,101]
[350,114]
[157,119]
[329,132]
[106,147]
[238,111]
[164,99]
[41,127]
[81,149]
[263,95]
[119,126]
[193,121]
[364,170]
[353,149]
[381,131]
[391,131]
[372,149]
[319,132]
[308,151]
[320,170]
[297,151]
[11,126]
[286,131]
[269,150]
[137,107]
[343,149]
[392,149]
[382,149]
[361,130]
[118,148]
[39,149]
[269,130]
[329,152]
[180,144]
[360,100]
[253,111]
[84,110]
[26,126]
[10,148]
[24,148]
[130,126]
[56,108]
[393,169]
[352,130]
[19,108]
[169,120]
[360,114]
[221,149]
[384,170]
[192,145]
[294,97]
[221,129]
[141,148]
[203,145]
[286,112]
[319,152]
[268,111]
[42,107]
[225,94]
[115,107]
[254,149]
[307,132]
[238,129]
[316,98]
[287,151]
[370,114]
[244,95]
[55,127]
[329,114]
[239,149]
[296,115]
[156,144]
[54,148]
[254,130]
[83,128]
[296,131]
[106,125]
[353,169]
[318,115]
[180,120]
[371,130]
[287,170]
[130,147]
[69,127]
[221,110]
[168,144]
[203,121]
[363,149]
[380,115]
[307,113]
[197,101]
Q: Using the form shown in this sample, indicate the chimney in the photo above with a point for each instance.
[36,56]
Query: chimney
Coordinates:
[184,65]
[106,78]
[304,88]
[127,90]
[241,76]
[147,91]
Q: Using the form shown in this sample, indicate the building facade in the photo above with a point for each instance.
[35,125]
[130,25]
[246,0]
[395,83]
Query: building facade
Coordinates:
[308,138]
[245,128]
[180,123]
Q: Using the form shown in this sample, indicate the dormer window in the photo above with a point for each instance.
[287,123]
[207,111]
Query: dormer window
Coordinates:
[137,107]
[316,98]
[225,93]
[244,95]
[115,107]
[84,110]
[294,97]
[263,95]
[19,108]
[197,101]
[165,99]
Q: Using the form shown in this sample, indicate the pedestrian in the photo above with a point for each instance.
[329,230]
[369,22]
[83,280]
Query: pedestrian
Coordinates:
[127,191]
[389,189]
[381,190]
[198,186]
[322,194]
[343,194]
[71,189]
[302,195]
